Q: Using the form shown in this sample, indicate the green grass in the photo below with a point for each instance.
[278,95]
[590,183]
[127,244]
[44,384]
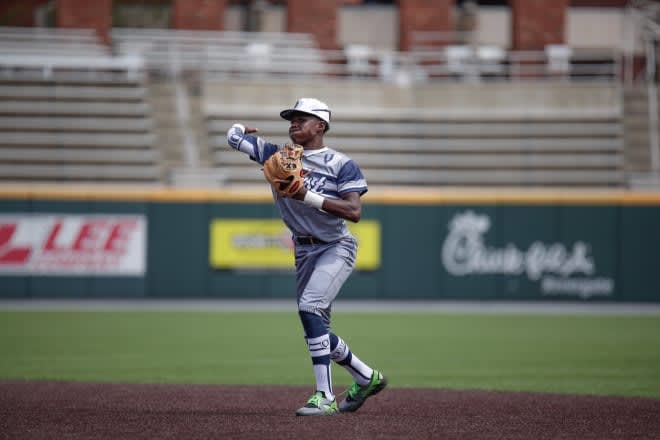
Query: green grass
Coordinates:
[605,355]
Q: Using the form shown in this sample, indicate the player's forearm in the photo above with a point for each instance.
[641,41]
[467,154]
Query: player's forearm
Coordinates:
[343,208]
[238,139]
[349,208]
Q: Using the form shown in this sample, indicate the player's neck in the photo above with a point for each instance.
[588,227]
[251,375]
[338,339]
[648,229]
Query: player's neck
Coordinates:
[313,144]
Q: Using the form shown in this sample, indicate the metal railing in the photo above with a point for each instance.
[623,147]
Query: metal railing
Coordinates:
[647,13]
[51,66]
[452,63]
[214,54]
[175,51]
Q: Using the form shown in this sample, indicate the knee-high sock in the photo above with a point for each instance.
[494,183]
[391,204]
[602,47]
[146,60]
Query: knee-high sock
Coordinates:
[318,342]
[342,355]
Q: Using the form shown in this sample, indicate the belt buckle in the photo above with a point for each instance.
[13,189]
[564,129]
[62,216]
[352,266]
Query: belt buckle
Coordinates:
[308,239]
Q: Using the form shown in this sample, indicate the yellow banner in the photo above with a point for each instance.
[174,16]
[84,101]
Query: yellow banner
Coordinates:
[266,244]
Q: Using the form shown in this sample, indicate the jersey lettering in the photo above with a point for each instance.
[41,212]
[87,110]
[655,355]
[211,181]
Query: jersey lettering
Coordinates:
[315,183]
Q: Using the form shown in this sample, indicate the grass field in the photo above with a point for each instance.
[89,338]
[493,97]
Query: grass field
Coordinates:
[590,354]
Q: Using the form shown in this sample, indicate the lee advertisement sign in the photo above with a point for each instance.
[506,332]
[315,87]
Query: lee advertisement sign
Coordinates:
[267,244]
[72,244]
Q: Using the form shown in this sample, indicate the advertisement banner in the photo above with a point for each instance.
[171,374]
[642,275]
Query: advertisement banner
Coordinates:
[523,247]
[65,245]
[266,244]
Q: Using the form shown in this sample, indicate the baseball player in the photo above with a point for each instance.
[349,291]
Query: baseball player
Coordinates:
[325,250]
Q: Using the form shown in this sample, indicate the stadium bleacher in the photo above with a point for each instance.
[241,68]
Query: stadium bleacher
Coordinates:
[115,116]
[39,41]
[72,113]
[222,53]
[573,139]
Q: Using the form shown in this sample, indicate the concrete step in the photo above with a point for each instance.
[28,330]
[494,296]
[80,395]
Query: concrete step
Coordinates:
[162,97]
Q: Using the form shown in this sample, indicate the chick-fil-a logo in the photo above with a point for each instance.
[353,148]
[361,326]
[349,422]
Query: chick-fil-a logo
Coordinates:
[562,270]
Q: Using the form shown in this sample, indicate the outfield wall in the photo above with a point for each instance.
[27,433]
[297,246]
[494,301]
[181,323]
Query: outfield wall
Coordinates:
[460,245]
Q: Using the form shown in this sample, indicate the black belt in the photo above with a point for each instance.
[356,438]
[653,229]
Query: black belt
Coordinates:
[307,239]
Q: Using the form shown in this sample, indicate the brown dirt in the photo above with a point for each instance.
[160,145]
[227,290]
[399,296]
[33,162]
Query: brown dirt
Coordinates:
[65,410]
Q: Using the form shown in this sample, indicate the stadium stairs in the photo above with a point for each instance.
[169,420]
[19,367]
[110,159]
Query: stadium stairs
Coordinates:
[636,125]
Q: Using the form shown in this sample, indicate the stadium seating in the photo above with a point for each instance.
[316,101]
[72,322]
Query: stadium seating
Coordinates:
[40,41]
[222,53]
[94,117]
[572,143]
[72,113]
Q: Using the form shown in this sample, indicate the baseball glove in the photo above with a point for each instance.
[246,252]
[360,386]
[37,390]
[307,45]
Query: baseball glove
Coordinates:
[284,171]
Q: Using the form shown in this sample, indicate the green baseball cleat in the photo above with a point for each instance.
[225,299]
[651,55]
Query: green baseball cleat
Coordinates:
[318,405]
[357,393]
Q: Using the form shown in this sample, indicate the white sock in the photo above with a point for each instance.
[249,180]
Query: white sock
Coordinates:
[360,371]
[323,382]
[342,354]
[319,350]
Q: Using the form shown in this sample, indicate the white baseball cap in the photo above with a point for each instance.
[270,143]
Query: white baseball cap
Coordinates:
[311,106]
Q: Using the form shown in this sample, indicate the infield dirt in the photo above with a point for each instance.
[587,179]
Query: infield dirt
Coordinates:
[71,410]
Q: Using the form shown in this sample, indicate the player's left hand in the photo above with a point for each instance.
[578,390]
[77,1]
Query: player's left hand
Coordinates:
[283,170]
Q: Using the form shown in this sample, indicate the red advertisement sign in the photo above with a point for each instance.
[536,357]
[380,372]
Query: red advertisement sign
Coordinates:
[72,244]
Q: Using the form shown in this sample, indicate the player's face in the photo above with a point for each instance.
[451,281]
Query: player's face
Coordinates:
[304,127]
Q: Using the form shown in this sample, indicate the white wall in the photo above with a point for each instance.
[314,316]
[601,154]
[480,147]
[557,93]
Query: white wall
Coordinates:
[597,28]
[494,26]
[375,26]
[602,28]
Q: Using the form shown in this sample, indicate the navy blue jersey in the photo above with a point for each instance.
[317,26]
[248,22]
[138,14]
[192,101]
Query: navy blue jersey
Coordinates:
[330,173]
